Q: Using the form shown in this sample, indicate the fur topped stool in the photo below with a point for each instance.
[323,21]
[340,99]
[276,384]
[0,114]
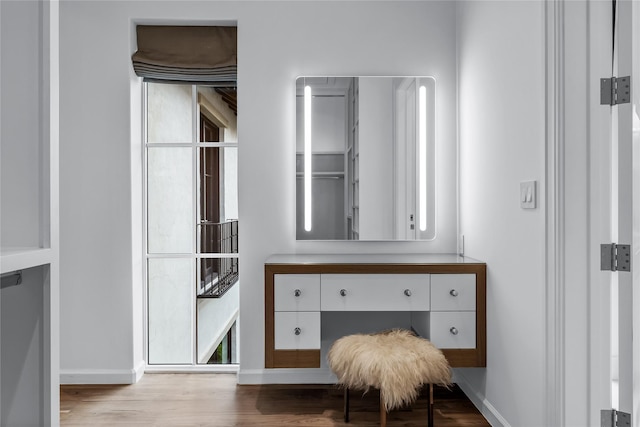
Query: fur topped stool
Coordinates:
[397,362]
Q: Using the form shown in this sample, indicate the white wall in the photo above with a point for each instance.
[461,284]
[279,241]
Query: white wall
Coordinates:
[170,199]
[169,113]
[100,169]
[100,329]
[170,311]
[502,142]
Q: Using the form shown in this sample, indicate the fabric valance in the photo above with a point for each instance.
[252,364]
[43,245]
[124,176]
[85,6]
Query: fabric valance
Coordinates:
[189,54]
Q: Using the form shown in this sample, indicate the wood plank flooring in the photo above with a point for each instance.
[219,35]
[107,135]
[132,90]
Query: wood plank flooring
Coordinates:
[216,400]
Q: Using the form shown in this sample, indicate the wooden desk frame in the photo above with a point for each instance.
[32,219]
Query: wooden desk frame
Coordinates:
[474,357]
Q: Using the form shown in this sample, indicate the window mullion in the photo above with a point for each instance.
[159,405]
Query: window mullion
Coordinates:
[218,144]
[145,232]
[195,138]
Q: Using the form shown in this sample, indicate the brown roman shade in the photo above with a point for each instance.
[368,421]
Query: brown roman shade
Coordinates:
[203,55]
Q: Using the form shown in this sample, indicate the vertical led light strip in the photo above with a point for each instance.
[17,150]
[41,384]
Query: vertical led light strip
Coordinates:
[307,158]
[422,157]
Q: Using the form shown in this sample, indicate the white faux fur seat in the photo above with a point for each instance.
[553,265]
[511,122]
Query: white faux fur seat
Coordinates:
[397,362]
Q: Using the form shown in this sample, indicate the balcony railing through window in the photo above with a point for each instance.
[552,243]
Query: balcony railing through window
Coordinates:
[217,275]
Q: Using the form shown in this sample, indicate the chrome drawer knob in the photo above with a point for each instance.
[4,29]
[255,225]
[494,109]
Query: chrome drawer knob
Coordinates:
[453,293]
[297,292]
[454,330]
[407,292]
[297,331]
[343,292]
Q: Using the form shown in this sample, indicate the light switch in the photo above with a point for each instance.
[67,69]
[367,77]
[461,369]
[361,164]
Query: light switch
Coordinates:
[528,194]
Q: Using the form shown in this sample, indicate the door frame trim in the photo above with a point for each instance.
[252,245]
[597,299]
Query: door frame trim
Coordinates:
[554,223]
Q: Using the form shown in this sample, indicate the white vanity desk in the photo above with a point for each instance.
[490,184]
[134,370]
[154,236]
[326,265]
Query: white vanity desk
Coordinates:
[443,296]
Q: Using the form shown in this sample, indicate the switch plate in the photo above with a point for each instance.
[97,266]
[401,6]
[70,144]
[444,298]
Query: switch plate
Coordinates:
[528,195]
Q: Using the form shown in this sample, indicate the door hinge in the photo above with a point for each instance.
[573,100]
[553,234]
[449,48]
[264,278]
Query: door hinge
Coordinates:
[615,90]
[614,257]
[613,418]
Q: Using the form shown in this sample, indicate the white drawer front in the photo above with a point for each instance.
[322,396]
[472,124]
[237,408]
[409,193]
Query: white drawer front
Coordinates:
[375,292]
[296,292]
[297,330]
[453,292]
[452,329]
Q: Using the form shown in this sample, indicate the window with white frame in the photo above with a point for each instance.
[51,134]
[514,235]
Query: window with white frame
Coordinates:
[191,206]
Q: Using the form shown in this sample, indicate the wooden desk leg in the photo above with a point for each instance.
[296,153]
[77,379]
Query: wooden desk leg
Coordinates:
[383,413]
[346,405]
[430,407]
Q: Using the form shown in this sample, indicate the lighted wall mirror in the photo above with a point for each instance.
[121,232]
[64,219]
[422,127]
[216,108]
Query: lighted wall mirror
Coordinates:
[365,158]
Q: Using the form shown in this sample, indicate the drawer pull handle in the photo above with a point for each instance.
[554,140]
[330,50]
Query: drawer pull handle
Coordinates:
[453,293]
[407,292]
[297,292]
[297,331]
[343,292]
[454,330]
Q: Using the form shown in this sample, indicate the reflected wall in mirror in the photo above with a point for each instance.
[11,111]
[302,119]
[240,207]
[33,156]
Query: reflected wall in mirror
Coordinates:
[365,158]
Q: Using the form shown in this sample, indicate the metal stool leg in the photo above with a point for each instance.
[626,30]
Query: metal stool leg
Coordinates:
[346,405]
[430,405]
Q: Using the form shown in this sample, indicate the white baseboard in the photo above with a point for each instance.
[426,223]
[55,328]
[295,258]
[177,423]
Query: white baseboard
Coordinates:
[191,369]
[480,401]
[286,376]
[139,370]
[102,376]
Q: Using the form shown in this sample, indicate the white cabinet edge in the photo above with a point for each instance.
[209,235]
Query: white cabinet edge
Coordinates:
[12,259]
